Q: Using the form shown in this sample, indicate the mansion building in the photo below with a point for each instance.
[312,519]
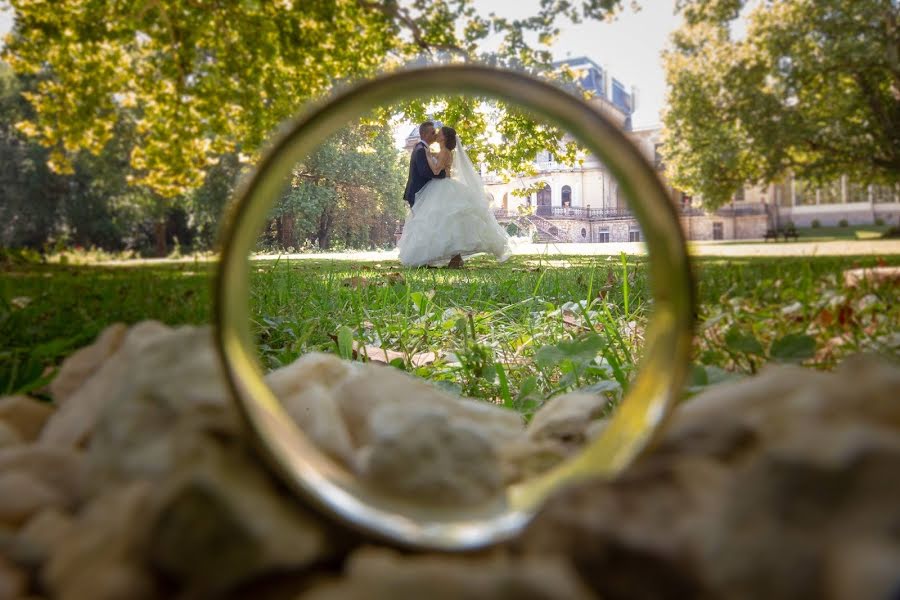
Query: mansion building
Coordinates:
[583,202]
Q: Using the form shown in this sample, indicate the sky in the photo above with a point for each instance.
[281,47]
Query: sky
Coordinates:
[629,46]
[5,19]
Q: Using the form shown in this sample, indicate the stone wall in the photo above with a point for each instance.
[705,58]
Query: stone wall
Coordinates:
[830,215]
[751,227]
[698,228]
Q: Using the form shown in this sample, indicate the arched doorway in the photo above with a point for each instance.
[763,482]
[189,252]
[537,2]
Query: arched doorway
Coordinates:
[543,201]
[566,196]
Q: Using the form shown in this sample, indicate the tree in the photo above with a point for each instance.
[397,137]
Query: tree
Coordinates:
[197,79]
[813,89]
[349,191]
[29,193]
[93,205]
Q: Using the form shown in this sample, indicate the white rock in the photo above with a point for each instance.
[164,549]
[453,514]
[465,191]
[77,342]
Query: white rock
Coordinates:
[220,521]
[73,423]
[379,574]
[59,470]
[527,458]
[9,436]
[566,418]
[370,386]
[79,367]
[101,558]
[306,389]
[43,532]
[867,568]
[427,455]
[595,428]
[25,415]
[176,391]
[13,581]
[23,495]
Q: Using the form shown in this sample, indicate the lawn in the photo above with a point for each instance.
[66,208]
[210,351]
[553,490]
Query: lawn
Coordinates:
[515,333]
[854,232]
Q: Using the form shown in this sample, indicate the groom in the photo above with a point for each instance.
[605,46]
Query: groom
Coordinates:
[420,172]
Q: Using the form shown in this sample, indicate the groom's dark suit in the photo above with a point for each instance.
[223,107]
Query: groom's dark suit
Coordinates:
[419,173]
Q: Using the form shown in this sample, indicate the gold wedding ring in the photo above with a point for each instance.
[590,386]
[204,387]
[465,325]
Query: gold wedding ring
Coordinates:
[329,487]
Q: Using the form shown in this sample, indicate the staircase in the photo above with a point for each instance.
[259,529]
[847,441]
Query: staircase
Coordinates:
[546,231]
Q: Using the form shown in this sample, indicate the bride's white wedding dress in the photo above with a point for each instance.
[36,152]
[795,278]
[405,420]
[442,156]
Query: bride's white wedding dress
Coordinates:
[451,216]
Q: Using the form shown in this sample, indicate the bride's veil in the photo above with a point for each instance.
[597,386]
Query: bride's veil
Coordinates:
[463,170]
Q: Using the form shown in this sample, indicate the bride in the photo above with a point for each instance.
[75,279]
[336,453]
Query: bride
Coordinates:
[450,218]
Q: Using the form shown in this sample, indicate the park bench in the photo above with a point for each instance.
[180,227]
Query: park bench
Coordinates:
[785,232]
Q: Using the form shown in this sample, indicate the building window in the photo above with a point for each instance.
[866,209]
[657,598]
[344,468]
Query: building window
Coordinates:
[566,196]
[620,97]
[804,194]
[603,236]
[583,232]
[717,231]
[739,195]
[634,235]
[830,193]
[883,193]
[506,201]
[543,201]
[657,157]
[857,192]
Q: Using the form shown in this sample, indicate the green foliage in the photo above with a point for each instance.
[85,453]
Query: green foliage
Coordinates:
[793,347]
[843,223]
[815,224]
[345,342]
[348,194]
[812,89]
[746,343]
[92,205]
[194,81]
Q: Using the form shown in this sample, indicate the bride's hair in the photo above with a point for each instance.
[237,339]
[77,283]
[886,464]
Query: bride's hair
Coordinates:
[449,137]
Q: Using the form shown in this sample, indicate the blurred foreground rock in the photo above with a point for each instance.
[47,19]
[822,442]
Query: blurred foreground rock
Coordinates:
[138,482]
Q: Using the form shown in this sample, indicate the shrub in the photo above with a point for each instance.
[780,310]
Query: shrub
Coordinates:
[879,221]
[816,224]
[843,223]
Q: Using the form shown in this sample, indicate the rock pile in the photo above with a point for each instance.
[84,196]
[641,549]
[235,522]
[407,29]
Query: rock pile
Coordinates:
[138,482]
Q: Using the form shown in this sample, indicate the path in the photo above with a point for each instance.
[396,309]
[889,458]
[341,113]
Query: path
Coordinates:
[829,248]
[727,249]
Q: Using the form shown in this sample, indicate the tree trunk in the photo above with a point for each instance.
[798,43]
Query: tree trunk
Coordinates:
[160,234]
[287,230]
[323,236]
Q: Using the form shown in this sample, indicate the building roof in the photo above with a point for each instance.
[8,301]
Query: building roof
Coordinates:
[598,81]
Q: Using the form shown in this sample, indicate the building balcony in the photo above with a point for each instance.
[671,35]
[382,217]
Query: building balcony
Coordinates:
[738,210]
[603,214]
[569,212]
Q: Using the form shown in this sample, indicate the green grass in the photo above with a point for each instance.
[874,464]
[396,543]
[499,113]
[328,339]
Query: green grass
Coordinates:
[853,232]
[825,234]
[513,334]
